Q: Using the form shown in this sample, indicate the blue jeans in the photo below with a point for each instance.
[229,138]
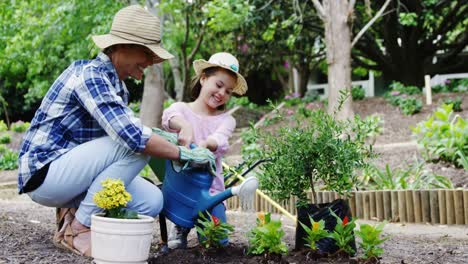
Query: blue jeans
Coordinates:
[74,178]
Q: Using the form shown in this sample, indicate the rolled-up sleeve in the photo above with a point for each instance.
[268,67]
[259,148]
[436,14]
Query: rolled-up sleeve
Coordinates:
[98,96]
[222,135]
[175,109]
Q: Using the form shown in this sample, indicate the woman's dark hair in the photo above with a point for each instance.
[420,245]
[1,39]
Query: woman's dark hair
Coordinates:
[196,85]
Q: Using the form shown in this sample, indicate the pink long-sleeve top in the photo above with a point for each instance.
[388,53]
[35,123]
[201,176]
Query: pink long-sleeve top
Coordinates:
[219,127]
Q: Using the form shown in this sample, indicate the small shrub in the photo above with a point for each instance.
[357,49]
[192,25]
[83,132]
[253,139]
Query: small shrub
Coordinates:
[311,96]
[5,138]
[168,103]
[241,101]
[266,236]
[135,106]
[369,127]
[20,126]
[292,99]
[212,230]
[456,103]
[409,90]
[410,106]
[358,93]
[370,240]
[9,160]
[443,136]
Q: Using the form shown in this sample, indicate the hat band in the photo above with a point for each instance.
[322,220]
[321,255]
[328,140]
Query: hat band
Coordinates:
[131,37]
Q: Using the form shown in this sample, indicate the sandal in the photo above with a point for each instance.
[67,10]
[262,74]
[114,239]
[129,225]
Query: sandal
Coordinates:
[69,237]
[64,216]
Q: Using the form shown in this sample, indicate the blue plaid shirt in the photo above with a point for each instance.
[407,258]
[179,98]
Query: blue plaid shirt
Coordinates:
[86,102]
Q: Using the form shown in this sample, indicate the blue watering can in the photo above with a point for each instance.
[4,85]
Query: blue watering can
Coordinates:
[186,192]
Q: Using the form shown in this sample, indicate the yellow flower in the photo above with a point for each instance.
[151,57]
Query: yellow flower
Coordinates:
[112,195]
[315,226]
[261,217]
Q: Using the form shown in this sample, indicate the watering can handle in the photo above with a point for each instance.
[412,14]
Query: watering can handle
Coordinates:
[193,145]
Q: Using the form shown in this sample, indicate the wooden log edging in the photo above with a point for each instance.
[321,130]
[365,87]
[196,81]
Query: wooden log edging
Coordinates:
[440,206]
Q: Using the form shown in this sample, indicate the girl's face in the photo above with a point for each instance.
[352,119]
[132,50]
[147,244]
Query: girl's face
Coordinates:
[217,88]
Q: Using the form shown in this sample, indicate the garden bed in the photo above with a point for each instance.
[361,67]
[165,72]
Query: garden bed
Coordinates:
[26,231]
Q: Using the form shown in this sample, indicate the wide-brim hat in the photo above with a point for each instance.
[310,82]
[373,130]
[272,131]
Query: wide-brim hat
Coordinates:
[224,60]
[135,25]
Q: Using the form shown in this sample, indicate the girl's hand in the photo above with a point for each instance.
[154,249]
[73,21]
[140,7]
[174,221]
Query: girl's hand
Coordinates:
[185,137]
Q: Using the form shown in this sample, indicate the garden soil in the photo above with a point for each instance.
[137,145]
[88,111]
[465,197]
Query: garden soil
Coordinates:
[26,229]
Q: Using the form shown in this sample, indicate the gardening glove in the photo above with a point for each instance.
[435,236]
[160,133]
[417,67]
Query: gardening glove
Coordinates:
[198,157]
[171,137]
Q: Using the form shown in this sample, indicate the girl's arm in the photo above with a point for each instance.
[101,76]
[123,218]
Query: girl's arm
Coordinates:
[218,141]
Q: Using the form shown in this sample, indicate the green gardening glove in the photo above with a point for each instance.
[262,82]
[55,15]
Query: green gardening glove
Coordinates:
[171,137]
[198,157]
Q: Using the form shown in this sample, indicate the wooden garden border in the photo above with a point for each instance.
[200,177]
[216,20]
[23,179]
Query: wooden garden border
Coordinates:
[439,206]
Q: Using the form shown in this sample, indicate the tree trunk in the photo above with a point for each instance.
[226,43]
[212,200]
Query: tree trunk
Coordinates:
[338,43]
[177,75]
[153,91]
[153,97]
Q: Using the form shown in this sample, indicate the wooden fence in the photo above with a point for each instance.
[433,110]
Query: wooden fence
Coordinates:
[407,206]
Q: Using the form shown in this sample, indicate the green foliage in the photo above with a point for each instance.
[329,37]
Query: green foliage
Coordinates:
[313,148]
[212,230]
[369,127]
[241,101]
[456,103]
[410,105]
[370,240]
[404,89]
[315,232]
[358,93]
[39,39]
[456,85]
[292,99]
[135,106]
[3,126]
[412,176]
[5,138]
[343,233]
[20,126]
[408,19]
[168,103]
[8,160]
[444,136]
[266,237]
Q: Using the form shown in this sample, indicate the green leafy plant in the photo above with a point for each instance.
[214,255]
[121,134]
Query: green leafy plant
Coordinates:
[443,136]
[3,126]
[292,99]
[113,198]
[135,106]
[212,230]
[370,240]
[266,236]
[358,93]
[369,128]
[5,138]
[9,160]
[413,176]
[3,149]
[343,233]
[315,232]
[456,103]
[410,105]
[20,126]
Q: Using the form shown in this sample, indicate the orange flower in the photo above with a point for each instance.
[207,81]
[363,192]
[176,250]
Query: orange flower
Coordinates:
[261,217]
[345,220]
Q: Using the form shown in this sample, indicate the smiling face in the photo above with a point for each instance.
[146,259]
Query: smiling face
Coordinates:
[131,60]
[216,88]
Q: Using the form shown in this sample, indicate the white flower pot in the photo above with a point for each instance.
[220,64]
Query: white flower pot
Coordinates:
[121,240]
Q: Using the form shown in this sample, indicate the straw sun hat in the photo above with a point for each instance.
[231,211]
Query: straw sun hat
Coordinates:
[135,25]
[224,60]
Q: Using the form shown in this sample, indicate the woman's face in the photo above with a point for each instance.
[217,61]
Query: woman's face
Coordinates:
[217,88]
[131,60]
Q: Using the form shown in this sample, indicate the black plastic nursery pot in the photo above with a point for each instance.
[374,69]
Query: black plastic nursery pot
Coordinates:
[318,212]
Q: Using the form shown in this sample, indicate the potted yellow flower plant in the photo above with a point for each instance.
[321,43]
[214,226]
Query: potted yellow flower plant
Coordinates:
[119,235]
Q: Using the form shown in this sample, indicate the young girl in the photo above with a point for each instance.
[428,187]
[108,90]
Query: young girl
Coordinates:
[205,122]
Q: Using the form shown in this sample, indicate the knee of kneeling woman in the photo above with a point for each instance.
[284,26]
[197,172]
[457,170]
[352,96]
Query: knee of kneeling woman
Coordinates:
[154,205]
